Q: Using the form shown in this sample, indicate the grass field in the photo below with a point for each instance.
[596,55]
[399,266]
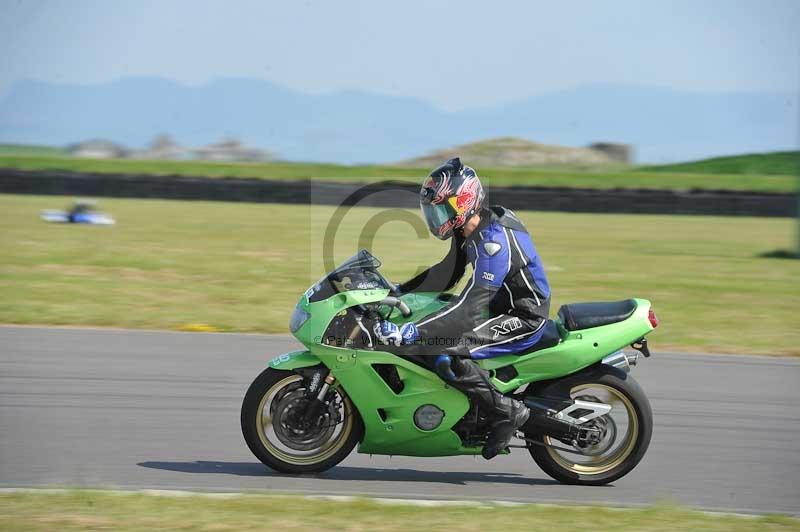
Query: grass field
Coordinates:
[650,178]
[242,267]
[31,150]
[93,510]
[777,163]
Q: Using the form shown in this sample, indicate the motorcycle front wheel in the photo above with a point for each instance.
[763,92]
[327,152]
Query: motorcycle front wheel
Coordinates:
[625,431]
[278,432]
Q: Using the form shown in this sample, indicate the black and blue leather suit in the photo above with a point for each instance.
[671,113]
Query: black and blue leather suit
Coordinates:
[505,304]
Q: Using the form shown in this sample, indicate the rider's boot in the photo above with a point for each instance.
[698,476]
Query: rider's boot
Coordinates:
[510,415]
[506,414]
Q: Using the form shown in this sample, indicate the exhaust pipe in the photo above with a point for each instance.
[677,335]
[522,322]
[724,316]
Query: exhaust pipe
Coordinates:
[622,360]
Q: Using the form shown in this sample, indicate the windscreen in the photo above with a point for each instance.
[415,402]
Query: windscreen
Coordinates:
[361,260]
[359,272]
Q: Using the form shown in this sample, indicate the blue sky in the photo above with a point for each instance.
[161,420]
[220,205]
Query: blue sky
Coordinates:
[454,55]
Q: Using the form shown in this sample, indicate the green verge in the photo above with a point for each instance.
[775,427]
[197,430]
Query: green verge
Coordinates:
[31,150]
[776,163]
[242,267]
[94,510]
[595,178]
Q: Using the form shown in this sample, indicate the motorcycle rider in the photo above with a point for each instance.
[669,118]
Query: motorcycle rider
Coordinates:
[503,308]
[78,209]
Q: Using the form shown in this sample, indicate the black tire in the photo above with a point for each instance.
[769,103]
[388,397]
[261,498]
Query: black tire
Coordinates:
[251,414]
[618,380]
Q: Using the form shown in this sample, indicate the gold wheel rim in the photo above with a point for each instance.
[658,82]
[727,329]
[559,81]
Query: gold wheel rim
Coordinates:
[329,448]
[618,457]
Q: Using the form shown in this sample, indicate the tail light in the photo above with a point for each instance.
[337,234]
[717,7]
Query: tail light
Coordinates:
[651,316]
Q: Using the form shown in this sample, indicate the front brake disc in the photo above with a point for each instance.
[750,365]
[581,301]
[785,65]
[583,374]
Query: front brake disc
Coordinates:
[294,433]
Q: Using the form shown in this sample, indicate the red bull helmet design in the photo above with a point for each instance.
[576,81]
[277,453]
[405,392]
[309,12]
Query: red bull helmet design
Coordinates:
[449,196]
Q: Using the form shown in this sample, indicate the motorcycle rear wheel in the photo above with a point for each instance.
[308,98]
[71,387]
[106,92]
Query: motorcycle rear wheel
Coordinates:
[273,435]
[615,387]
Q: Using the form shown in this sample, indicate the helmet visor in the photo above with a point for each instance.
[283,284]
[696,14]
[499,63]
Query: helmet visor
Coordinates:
[437,216]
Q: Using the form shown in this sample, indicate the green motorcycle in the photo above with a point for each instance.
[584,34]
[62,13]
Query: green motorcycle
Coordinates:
[590,422]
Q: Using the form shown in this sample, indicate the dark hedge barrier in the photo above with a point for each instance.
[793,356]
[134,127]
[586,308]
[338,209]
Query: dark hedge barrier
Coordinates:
[324,192]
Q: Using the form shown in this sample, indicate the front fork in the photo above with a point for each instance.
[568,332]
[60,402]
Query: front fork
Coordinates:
[320,380]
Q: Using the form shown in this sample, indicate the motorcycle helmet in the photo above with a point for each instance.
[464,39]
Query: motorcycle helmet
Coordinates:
[450,195]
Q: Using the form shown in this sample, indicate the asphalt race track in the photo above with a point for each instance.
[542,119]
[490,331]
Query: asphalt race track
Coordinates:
[128,409]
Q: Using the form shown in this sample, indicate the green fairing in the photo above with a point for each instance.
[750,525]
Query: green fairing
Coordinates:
[388,416]
[397,433]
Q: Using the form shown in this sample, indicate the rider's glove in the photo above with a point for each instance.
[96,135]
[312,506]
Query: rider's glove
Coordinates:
[387,333]
[390,334]
[409,333]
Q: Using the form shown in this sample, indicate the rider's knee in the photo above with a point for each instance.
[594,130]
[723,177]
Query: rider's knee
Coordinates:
[444,367]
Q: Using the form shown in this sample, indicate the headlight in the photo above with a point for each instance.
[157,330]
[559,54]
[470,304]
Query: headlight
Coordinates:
[299,317]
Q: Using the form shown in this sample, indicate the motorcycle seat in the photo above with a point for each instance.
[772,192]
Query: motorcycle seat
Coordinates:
[576,316]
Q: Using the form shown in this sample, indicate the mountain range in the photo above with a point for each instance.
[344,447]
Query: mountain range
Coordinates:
[351,127]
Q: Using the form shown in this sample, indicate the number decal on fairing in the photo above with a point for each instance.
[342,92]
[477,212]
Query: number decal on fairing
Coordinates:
[280,359]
